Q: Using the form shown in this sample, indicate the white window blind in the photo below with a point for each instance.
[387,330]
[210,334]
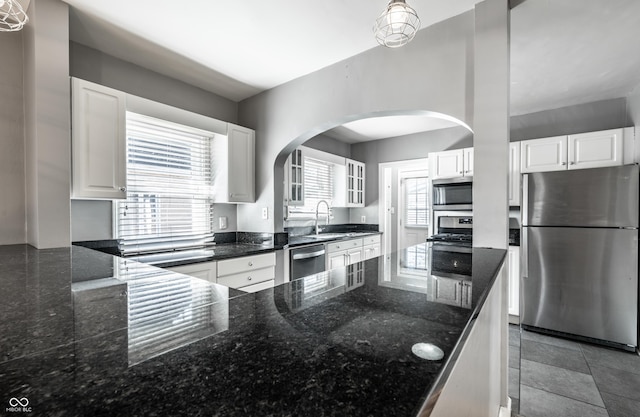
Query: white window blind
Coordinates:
[318,182]
[416,206]
[169,187]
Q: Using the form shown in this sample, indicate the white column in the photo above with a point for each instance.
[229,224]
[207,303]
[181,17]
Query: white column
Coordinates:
[47,124]
[491,124]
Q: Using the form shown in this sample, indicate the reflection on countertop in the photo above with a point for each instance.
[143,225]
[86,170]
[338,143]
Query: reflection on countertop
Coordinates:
[87,333]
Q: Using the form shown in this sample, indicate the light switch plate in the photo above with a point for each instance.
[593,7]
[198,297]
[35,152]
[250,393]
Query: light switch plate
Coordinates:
[222,222]
[265,213]
[363,219]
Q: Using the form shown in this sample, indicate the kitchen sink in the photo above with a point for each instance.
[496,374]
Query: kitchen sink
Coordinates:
[328,235]
[332,235]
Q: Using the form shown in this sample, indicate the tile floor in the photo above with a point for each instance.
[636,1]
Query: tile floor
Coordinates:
[551,377]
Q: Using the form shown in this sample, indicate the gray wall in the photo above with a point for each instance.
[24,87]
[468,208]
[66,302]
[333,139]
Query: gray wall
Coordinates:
[432,73]
[92,220]
[330,145]
[587,117]
[100,68]
[400,149]
[12,168]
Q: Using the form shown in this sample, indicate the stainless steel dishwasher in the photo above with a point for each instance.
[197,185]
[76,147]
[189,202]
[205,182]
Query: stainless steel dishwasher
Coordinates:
[307,260]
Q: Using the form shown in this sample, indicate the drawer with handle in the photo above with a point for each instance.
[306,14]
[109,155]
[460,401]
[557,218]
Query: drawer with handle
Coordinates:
[344,245]
[246,263]
[245,278]
[371,240]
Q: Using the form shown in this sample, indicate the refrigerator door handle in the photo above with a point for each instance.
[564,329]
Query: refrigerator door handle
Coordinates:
[525,200]
[524,255]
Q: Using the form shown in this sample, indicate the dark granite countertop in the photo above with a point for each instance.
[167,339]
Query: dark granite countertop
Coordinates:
[217,252]
[85,333]
[327,237]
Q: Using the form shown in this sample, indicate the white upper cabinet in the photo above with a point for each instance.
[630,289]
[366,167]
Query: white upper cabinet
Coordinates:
[546,154]
[595,149]
[585,150]
[98,127]
[467,165]
[234,165]
[355,183]
[514,174]
[242,158]
[294,178]
[451,164]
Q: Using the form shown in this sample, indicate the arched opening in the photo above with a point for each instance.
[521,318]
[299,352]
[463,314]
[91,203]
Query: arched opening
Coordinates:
[358,132]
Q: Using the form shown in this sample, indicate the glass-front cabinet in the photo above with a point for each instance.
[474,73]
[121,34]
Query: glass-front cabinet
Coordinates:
[355,183]
[295,173]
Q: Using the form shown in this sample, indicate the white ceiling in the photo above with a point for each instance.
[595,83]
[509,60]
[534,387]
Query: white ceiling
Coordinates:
[563,52]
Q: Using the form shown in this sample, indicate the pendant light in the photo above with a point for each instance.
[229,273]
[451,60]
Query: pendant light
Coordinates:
[397,24]
[12,16]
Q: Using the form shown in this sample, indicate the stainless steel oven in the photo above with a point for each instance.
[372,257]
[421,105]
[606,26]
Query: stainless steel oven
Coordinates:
[452,194]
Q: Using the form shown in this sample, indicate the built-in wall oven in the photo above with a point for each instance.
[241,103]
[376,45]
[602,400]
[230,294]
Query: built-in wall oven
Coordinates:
[452,194]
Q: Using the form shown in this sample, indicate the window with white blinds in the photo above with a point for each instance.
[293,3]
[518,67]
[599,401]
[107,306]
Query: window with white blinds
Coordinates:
[318,182]
[169,187]
[416,202]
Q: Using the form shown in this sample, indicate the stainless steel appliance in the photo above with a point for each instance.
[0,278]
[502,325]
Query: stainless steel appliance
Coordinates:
[452,193]
[454,229]
[306,260]
[580,254]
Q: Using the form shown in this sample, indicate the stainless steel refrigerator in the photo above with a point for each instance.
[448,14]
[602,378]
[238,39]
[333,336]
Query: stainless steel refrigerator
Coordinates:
[580,253]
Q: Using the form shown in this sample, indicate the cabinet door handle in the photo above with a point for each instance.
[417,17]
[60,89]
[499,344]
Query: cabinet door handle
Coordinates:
[564,163]
[249,278]
[572,163]
[250,263]
[123,189]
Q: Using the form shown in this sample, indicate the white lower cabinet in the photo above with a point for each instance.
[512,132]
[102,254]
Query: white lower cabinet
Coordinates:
[248,273]
[336,259]
[514,282]
[452,291]
[344,252]
[202,270]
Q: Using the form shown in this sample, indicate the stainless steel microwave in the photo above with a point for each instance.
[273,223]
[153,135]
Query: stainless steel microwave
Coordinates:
[452,194]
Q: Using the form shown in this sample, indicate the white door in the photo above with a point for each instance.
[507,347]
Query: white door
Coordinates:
[595,149]
[414,210]
[546,154]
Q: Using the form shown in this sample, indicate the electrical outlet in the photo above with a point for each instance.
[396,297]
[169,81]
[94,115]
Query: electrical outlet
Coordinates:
[363,219]
[222,222]
[265,213]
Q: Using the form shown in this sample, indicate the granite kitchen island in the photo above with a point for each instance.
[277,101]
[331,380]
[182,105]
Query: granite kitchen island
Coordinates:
[86,333]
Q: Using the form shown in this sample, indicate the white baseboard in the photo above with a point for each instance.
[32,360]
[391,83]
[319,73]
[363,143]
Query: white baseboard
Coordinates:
[505,411]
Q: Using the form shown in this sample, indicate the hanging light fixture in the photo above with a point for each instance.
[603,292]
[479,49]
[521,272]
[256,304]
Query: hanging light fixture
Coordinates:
[397,24]
[12,16]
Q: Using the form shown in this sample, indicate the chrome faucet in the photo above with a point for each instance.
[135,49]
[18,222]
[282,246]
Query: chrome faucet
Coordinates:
[318,212]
